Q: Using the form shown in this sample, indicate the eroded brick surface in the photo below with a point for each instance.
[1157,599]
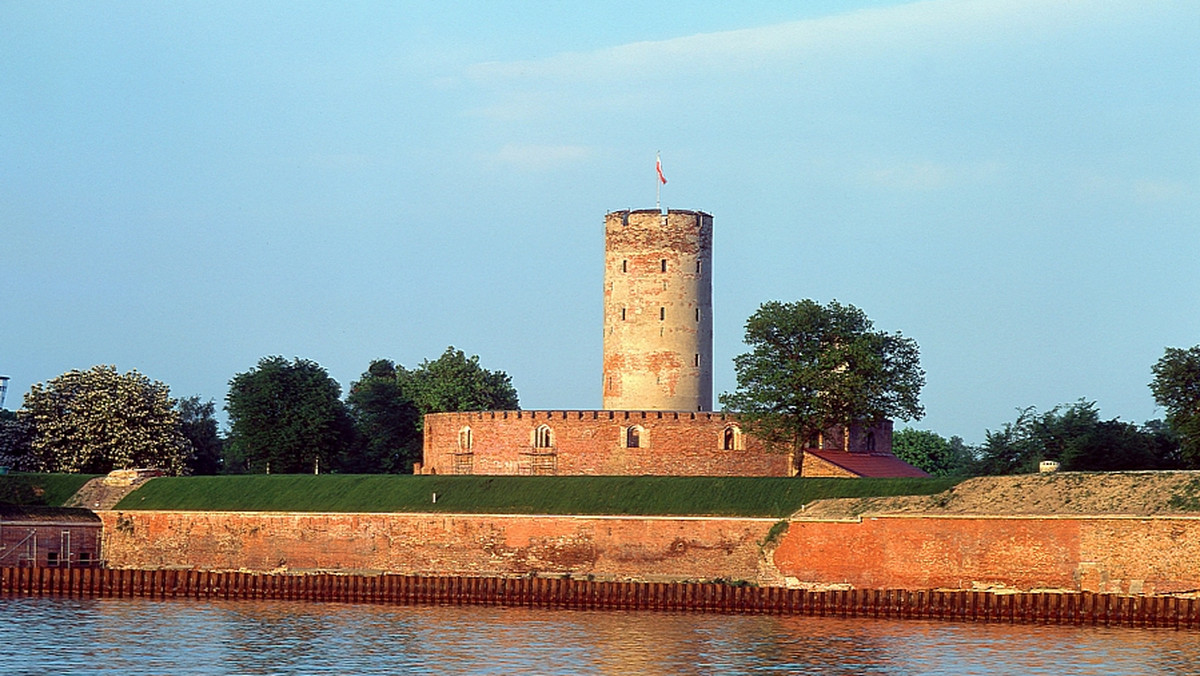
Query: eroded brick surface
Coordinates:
[442,544]
[1104,554]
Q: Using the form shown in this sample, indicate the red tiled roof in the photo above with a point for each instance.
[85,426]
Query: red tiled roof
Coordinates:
[869,464]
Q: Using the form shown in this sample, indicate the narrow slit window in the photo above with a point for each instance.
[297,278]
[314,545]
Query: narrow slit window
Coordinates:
[662,313]
[622,314]
[663,264]
[697,267]
[696,360]
[624,266]
[697,314]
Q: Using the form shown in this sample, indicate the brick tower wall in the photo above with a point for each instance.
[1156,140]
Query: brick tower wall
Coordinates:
[658,311]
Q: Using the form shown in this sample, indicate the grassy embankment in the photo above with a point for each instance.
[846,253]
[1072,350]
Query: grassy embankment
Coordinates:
[40,489]
[643,495]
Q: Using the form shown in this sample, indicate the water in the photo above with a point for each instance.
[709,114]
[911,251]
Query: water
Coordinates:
[134,636]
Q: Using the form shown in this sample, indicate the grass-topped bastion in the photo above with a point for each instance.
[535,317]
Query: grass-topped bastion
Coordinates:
[720,496]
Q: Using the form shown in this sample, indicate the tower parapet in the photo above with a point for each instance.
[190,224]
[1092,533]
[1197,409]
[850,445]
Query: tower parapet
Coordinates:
[658,310]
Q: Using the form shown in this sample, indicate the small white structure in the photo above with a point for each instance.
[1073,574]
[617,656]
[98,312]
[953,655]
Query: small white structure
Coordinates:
[1047,466]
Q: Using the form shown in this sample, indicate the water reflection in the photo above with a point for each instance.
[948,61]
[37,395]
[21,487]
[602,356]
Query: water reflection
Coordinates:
[123,636]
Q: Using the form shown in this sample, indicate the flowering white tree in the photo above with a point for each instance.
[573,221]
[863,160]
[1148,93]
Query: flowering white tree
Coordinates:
[98,420]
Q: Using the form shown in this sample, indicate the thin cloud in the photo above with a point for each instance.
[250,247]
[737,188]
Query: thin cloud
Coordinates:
[932,24]
[539,157]
[928,175]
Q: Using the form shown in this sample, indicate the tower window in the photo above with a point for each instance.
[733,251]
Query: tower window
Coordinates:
[624,266]
[664,265]
[633,437]
[696,360]
[697,314]
[662,313]
[622,314]
[697,267]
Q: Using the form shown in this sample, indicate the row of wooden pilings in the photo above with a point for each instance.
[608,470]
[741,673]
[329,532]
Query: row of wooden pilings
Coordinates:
[1068,608]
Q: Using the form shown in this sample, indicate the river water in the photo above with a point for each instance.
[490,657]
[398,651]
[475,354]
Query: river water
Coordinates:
[135,636]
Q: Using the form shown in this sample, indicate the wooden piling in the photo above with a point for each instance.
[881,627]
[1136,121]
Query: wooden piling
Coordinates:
[1062,608]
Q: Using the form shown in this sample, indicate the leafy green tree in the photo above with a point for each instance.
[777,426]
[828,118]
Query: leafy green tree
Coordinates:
[455,382]
[813,367]
[1176,387]
[198,422]
[386,423]
[1076,437]
[15,437]
[98,420]
[286,417]
[932,452]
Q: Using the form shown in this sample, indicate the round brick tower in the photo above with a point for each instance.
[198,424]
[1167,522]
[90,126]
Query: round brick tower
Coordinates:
[658,310]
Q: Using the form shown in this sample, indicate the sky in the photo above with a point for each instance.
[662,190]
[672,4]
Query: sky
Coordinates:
[188,187]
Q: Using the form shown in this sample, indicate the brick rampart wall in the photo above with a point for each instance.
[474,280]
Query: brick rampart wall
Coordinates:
[649,548]
[1105,554]
[675,443]
[1095,554]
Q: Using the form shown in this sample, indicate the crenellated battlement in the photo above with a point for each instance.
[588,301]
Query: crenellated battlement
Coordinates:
[594,414]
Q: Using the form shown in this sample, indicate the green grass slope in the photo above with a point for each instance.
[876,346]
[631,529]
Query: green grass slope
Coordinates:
[40,489]
[643,495]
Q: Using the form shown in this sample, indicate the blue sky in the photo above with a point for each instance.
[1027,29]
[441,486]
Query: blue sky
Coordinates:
[188,187]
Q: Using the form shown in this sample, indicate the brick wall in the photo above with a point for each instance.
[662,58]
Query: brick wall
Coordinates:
[594,443]
[1106,554]
[658,549]
[1101,554]
[675,443]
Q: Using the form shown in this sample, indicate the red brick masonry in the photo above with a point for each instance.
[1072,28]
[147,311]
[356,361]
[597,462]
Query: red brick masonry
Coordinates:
[1089,553]
[1107,554]
[667,548]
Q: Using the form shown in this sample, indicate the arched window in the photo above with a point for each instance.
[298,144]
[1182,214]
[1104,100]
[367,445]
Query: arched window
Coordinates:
[635,437]
[543,437]
[731,438]
[464,439]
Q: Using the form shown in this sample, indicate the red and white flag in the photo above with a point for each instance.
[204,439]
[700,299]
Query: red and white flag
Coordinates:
[658,168]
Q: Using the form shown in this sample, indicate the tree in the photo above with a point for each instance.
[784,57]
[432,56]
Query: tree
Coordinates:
[97,420]
[198,423]
[932,452]
[15,436]
[1075,436]
[285,417]
[386,423]
[455,382]
[814,367]
[1176,387]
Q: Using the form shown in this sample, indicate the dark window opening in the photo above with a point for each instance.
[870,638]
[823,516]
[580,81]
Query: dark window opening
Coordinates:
[52,559]
[632,439]
[85,558]
[730,437]
[662,313]
[696,360]
[624,266]
[622,314]
[664,265]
